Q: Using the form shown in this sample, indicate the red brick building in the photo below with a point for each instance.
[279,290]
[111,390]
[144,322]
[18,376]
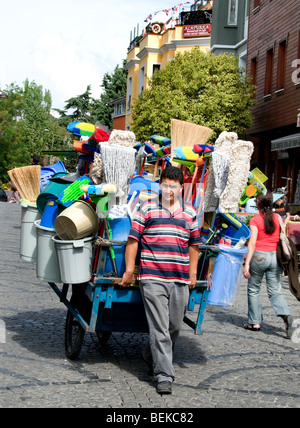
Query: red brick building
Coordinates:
[273,60]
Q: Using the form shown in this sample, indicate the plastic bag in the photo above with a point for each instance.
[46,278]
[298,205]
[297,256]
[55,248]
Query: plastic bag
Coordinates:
[227,275]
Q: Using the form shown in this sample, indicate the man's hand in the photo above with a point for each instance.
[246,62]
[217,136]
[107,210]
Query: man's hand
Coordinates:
[126,280]
[193,279]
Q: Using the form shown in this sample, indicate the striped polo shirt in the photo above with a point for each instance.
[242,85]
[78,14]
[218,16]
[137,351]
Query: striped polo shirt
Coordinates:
[165,239]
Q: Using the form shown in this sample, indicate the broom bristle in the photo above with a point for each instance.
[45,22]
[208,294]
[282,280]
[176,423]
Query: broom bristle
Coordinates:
[27,181]
[188,134]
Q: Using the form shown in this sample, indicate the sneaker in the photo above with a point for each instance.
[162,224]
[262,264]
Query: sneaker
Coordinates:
[289,326]
[164,387]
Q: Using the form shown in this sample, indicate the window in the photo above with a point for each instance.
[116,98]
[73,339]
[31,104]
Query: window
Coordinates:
[155,67]
[269,71]
[281,64]
[256,3]
[299,44]
[232,12]
[142,78]
[129,94]
[253,70]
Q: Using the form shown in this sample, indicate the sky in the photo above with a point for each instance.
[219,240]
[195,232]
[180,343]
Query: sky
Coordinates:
[65,45]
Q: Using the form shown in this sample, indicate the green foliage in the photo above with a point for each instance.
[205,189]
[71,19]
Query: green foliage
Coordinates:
[201,88]
[84,108]
[114,86]
[27,127]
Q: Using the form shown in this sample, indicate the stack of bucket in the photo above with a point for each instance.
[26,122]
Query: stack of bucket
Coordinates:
[57,238]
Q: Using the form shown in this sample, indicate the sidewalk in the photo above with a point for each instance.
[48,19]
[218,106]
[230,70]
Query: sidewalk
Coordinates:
[226,366]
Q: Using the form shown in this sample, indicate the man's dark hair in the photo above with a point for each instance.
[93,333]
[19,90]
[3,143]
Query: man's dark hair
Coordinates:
[172,173]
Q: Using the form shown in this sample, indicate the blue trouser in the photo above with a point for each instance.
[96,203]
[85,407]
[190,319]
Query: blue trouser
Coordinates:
[262,263]
[165,306]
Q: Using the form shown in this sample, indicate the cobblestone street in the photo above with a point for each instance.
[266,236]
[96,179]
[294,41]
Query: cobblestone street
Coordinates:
[226,366]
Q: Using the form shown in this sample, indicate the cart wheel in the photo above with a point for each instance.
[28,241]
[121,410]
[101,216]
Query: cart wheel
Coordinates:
[74,335]
[103,336]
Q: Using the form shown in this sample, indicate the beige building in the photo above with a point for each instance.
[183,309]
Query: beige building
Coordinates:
[155,50]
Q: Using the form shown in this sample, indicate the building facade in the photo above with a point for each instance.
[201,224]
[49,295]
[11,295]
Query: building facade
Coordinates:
[273,61]
[159,46]
[230,28]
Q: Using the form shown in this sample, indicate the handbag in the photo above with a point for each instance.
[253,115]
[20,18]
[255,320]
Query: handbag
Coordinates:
[284,243]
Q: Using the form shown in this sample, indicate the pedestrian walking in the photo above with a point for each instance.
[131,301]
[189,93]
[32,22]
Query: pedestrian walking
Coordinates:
[167,231]
[262,260]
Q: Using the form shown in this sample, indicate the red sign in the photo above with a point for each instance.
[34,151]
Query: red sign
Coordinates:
[200,30]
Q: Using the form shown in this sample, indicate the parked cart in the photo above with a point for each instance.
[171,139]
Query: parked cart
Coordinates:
[101,306]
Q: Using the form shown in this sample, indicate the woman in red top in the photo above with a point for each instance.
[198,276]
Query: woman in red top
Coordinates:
[261,259]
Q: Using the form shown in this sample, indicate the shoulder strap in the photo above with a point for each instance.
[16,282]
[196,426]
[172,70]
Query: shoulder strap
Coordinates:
[281,223]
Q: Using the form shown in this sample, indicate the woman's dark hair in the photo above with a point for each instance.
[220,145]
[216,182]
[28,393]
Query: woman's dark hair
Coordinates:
[172,173]
[265,206]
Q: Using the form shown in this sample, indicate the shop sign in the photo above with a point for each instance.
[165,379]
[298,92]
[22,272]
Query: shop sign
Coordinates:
[200,30]
[298,120]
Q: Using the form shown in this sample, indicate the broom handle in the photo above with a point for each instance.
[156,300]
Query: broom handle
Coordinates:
[155,168]
[190,191]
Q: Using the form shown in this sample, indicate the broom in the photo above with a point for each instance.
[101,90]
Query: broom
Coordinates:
[27,180]
[187,134]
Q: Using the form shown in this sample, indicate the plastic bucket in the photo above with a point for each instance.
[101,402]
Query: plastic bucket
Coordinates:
[58,167]
[74,259]
[47,268]
[235,235]
[76,222]
[52,189]
[120,228]
[50,213]
[227,275]
[29,214]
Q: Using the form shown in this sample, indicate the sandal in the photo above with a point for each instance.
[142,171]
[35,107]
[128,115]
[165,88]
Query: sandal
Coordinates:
[251,327]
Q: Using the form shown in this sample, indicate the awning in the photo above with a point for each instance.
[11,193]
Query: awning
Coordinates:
[284,143]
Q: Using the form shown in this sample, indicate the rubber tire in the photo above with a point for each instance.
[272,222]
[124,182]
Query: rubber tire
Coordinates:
[74,336]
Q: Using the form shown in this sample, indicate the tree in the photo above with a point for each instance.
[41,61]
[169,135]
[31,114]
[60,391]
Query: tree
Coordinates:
[201,88]
[37,106]
[12,137]
[114,86]
[27,127]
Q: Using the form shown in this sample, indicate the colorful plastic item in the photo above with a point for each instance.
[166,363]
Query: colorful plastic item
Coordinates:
[162,141]
[185,152]
[163,151]
[73,192]
[81,128]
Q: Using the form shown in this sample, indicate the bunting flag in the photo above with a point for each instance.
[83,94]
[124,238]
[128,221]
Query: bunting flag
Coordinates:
[166,11]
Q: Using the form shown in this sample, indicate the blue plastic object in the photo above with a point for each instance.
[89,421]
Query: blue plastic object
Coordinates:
[120,228]
[50,213]
[235,235]
[140,183]
[227,275]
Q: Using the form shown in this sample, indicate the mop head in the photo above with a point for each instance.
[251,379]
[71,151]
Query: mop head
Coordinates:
[122,138]
[118,163]
[220,165]
[97,171]
[239,154]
